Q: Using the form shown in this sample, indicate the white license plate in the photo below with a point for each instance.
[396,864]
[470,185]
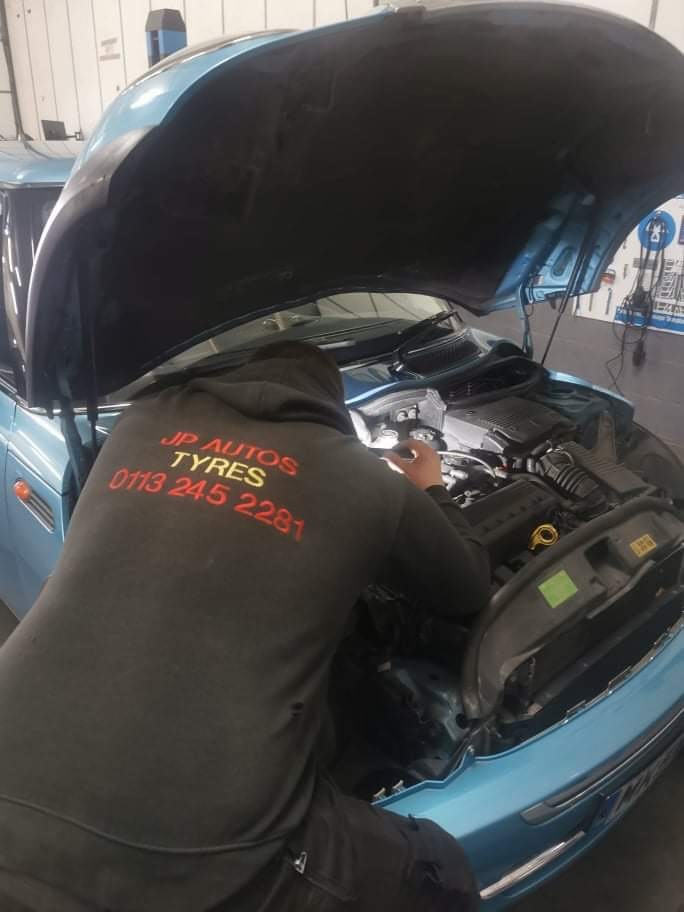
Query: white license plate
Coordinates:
[624,798]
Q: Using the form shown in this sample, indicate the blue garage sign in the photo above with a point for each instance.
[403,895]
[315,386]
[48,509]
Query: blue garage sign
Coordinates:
[657,230]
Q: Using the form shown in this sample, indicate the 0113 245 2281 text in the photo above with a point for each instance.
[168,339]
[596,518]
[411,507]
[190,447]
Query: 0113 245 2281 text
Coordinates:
[251,468]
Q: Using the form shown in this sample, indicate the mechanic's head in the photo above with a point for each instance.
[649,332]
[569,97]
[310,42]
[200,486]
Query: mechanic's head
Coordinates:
[311,361]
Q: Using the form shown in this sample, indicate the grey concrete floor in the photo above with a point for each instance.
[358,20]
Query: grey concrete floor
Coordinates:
[638,867]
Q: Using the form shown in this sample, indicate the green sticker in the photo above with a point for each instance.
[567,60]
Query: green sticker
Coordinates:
[558,589]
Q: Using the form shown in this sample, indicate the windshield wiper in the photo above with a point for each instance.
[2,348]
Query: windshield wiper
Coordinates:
[234,357]
[419,330]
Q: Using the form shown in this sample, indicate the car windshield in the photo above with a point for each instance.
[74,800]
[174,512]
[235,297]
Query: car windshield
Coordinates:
[341,321]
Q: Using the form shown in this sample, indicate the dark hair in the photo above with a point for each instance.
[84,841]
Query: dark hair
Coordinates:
[320,364]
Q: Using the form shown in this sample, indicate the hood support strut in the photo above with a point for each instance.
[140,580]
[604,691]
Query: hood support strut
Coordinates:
[527,340]
[87,289]
[81,457]
[573,284]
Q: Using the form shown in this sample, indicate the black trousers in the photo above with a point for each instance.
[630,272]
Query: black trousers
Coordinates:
[346,857]
[408,866]
[351,857]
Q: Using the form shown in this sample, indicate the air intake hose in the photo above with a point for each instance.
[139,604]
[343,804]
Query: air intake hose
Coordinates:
[559,468]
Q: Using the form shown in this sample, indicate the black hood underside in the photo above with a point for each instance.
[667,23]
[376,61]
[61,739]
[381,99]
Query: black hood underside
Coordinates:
[415,151]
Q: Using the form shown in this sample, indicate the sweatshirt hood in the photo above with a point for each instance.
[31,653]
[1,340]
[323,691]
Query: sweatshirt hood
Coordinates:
[281,389]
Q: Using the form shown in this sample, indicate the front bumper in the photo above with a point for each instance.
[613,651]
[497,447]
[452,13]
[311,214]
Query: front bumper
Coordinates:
[505,809]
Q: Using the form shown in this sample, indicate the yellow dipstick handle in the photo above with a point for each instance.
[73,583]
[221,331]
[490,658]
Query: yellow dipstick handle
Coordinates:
[543,536]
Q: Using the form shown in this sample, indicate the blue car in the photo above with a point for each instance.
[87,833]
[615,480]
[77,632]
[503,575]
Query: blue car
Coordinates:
[32,175]
[364,186]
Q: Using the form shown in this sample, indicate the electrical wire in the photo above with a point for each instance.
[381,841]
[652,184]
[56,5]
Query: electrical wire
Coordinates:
[638,307]
[457,454]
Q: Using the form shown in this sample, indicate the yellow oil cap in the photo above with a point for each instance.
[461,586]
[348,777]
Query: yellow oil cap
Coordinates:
[543,536]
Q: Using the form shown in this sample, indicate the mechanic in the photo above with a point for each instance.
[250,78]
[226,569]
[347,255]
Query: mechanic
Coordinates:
[161,704]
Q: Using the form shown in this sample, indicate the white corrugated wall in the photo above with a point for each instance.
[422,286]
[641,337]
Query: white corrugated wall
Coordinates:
[71,57]
[7,125]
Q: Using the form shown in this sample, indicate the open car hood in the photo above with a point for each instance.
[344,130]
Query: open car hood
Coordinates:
[463,153]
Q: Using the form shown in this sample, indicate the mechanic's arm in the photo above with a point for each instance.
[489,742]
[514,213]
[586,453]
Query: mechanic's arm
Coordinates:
[435,550]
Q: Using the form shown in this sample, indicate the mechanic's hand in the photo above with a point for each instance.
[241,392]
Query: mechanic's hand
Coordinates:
[423,467]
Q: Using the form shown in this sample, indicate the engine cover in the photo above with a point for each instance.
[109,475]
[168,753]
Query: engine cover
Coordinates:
[510,426]
[505,519]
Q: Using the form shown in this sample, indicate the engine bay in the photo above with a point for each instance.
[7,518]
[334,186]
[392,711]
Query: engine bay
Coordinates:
[524,473]
[562,487]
